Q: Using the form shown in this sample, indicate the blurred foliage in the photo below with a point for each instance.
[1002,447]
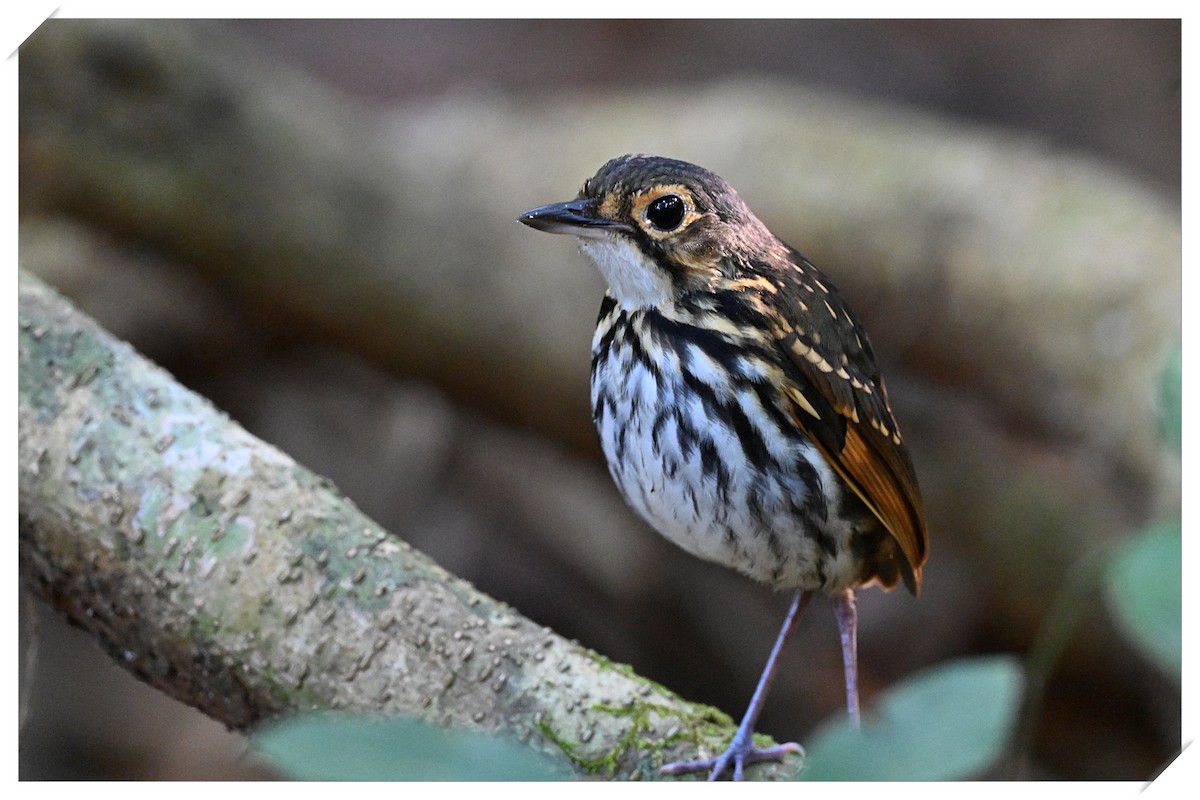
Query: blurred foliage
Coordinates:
[331,747]
[1145,588]
[950,722]
[1144,581]
[1171,397]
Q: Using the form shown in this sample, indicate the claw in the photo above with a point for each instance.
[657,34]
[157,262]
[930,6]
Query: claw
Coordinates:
[741,753]
[741,750]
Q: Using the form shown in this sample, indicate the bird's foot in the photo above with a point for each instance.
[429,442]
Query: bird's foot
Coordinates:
[741,751]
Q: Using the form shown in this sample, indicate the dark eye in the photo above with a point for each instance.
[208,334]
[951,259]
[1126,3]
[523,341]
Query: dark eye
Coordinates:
[666,212]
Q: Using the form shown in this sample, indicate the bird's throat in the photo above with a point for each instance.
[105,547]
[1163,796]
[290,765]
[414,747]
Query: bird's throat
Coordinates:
[634,280]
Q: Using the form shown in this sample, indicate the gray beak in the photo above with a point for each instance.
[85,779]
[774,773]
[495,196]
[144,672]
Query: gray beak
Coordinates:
[577,217]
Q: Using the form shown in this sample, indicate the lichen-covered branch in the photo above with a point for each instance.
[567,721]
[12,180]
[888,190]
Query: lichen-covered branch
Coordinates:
[220,571]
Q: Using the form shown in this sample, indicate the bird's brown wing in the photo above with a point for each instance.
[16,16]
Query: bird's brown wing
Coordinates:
[839,400]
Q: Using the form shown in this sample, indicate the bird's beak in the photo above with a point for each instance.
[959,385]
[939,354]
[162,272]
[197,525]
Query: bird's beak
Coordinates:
[578,217]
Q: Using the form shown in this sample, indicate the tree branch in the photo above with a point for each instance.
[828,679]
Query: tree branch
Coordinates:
[217,569]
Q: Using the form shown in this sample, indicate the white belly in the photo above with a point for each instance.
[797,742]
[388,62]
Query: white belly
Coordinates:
[684,470]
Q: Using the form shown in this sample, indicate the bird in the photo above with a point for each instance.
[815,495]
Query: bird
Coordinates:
[739,406]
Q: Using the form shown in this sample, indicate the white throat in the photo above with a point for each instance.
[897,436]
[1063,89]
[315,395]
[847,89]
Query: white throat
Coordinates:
[634,280]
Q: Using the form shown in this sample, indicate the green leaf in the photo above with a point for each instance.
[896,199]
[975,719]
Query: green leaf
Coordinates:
[1145,590]
[330,747]
[1171,396]
[950,722]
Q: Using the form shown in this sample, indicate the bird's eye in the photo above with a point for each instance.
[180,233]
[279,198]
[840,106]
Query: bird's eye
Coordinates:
[666,212]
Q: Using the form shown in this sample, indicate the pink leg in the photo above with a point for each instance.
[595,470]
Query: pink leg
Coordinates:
[741,750]
[847,620]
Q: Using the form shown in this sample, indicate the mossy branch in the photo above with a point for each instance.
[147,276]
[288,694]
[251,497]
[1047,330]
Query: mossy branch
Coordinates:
[217,569]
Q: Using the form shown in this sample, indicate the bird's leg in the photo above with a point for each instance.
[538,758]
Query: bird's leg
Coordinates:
[847,620]
[741,750]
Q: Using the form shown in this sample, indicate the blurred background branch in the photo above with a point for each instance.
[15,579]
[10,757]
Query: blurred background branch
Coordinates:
[337,265]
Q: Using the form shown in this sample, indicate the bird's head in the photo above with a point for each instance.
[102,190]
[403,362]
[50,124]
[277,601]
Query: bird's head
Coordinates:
[657,228]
